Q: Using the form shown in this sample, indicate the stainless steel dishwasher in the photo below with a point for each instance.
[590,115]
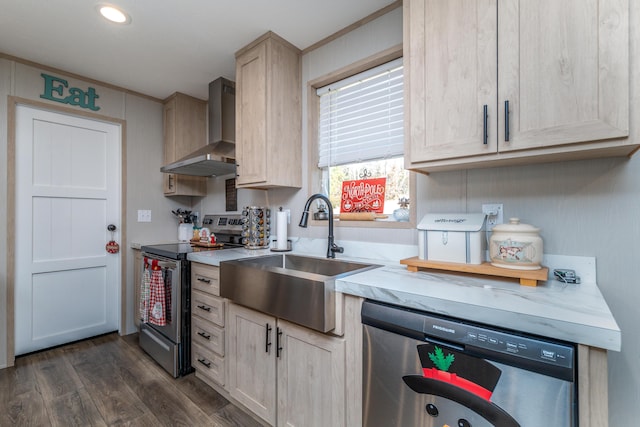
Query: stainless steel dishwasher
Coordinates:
[423,369]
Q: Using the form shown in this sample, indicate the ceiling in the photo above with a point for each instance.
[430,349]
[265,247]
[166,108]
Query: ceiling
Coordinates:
[169,45]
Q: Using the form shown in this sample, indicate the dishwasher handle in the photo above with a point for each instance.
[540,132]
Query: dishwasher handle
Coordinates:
[402,322]
[388,318]
[397,320]
[446,344]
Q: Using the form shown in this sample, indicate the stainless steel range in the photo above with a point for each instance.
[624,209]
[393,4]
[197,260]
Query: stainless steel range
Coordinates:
[165,303]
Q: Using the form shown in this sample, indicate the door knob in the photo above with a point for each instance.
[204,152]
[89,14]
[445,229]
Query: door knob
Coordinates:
[112,247]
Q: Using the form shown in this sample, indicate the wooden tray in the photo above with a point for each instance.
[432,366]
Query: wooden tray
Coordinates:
[360,216]
[527,277]
[206,245]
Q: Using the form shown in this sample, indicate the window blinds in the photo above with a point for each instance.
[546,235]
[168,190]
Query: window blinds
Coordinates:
[361,117]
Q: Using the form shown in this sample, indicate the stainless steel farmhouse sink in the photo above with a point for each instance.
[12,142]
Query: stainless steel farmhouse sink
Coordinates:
[297,288]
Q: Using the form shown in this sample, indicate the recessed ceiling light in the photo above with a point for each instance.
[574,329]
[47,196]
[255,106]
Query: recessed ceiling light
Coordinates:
[114,14]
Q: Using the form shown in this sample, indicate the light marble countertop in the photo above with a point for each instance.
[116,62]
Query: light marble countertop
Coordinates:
[215,257]
[569,312]
[574,313]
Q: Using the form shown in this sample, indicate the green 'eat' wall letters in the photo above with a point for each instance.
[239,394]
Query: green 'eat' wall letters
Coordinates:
[55,85]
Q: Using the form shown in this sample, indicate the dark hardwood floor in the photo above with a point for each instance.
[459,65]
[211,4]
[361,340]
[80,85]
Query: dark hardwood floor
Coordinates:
[107,381]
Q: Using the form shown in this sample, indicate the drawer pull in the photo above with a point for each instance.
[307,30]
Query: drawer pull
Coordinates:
[205,308]
[202,279]
[205,336]
[205,362]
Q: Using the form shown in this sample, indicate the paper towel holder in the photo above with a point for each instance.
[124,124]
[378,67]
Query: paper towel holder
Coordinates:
[274,246]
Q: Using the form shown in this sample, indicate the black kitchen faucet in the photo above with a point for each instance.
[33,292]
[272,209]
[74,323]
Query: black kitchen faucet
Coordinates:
[332,248]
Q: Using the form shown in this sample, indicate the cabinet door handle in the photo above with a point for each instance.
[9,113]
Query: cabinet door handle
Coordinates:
[267,338]
[506,120]
[279,343]
[205,363]
[205,336]
[205,308]
[202,279]
[171,182]
[485,119]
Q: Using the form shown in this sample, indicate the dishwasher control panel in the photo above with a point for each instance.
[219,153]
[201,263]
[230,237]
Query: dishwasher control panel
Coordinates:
[499,342]
[546,356]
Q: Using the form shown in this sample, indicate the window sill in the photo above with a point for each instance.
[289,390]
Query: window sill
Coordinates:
[365,224]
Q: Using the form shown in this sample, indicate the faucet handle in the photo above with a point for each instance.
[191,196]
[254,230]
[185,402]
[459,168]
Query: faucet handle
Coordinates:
[336,248]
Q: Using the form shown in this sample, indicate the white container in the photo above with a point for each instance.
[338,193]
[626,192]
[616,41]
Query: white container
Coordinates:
[455,238]
[185,232]
[516,246]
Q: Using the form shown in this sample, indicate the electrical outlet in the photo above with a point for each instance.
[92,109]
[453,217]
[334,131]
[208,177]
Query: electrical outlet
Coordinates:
[494,214]
[144,216]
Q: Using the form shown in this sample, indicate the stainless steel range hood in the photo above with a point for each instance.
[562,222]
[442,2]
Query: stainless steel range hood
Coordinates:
[218,156]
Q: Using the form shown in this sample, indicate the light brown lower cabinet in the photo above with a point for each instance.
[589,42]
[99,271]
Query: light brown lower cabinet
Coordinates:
[209,366]
[207,325]
[593,395]
[286,374]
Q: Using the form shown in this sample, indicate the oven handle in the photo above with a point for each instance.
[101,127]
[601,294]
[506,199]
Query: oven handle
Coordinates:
[163,264]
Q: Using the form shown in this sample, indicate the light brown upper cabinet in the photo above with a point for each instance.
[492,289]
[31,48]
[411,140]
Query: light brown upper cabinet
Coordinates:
[185,131]
[492,83]
[268,114]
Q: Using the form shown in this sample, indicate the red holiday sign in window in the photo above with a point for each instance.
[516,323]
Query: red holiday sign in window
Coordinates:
[363,195]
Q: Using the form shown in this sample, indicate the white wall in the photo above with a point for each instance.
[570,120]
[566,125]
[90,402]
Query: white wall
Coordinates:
[144,157]
[585,208]
[144,186]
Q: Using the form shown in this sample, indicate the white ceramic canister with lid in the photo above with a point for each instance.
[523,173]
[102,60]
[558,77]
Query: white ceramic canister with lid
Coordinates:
[185,232]
[516,246]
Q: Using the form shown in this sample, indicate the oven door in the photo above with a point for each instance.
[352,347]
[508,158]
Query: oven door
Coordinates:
[170,274]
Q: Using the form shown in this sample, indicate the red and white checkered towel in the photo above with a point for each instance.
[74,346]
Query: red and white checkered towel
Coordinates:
[157,305]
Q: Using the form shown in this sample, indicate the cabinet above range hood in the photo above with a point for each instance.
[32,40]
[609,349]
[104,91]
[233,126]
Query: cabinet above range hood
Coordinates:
[218,156]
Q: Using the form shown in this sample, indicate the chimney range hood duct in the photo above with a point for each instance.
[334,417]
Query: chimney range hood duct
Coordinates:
[218,156]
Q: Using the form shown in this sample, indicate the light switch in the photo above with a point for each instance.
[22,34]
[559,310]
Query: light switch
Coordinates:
[144,216]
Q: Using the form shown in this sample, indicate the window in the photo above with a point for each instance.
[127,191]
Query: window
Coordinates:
[361,134]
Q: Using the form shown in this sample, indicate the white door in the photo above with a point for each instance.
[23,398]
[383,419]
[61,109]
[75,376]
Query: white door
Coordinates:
[68,175]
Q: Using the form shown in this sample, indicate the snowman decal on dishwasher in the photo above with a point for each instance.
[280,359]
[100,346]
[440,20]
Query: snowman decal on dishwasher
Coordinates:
[459,389]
